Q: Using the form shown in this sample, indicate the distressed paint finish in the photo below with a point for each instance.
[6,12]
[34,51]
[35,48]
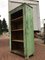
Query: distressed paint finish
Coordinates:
[28,32]
[10,29]
[24,18]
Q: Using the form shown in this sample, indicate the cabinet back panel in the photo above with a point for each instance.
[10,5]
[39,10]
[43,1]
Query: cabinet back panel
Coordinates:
[17,14]
[17,35]
[18,46]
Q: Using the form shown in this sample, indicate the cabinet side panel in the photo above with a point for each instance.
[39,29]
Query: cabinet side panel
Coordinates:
[10,30]
[29,31]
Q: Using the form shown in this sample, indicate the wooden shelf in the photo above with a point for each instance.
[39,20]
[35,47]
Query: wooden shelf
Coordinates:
[18,40]
[18,52]
[17,18]
[17,30]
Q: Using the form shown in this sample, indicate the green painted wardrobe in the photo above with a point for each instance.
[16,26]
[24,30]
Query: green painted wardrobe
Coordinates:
[21,30]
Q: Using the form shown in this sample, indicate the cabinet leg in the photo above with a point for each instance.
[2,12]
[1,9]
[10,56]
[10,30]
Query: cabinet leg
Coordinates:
[27,58]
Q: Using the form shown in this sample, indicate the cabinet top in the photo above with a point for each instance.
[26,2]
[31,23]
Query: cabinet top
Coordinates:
[19,7]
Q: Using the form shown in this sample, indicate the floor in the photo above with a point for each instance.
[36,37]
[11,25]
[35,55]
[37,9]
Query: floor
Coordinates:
[5,53]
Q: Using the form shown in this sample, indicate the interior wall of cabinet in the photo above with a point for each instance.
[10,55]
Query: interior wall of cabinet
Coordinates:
[17,31]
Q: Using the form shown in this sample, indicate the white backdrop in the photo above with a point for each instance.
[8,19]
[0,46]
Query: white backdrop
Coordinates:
[36,14]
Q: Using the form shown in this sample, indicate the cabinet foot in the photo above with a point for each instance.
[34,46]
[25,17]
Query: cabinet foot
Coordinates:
[27,58]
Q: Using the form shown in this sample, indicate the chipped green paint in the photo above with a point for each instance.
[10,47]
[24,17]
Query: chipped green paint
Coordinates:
[28,32]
